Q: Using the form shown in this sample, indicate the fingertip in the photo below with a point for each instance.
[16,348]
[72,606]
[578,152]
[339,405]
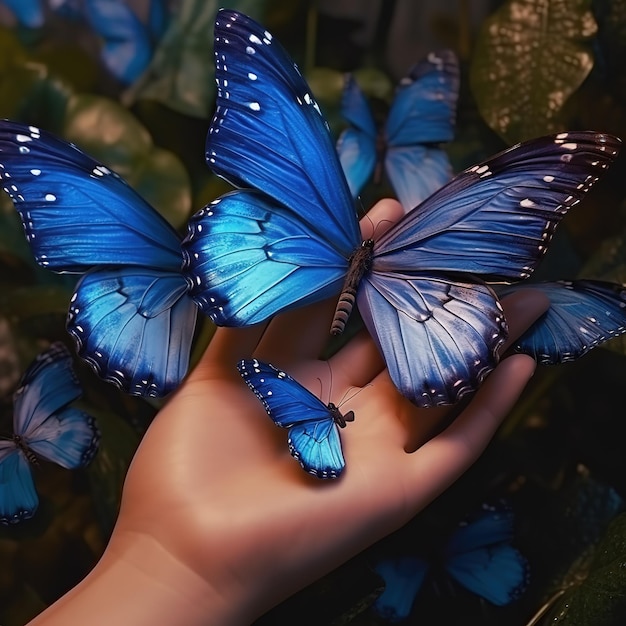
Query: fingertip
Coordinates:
[381,217]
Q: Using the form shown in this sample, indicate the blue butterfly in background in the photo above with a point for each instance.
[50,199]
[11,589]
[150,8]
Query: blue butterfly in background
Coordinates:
[313,426]
[44,426]
[292,237]
[130,315]
[582,315]
[478,556]
[406,144]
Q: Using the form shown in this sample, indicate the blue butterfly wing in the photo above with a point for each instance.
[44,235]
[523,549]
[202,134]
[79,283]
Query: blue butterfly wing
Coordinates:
[480,558]
[248,258]
[496,219]
[47,385]
[582,315]
[424,106]
[356,145]
[126,46]
[268,132]
[18,498]
[357,155]
[313,435]
[76,212]
[439,338]
[416,172]
[42,418]
[134,326]
[404,577]
[29,13]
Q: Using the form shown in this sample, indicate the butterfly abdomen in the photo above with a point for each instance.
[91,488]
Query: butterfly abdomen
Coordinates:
[28,453]
[360,262]
[340,419]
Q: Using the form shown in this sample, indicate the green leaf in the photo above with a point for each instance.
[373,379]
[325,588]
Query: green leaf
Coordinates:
[531,55]
[601,599]
[180,74]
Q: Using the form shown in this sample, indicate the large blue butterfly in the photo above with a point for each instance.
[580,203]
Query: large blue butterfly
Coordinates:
[406,144]
[582,315]
[43,426]
[130,314]
[291,240]
[313,426]
[479,556]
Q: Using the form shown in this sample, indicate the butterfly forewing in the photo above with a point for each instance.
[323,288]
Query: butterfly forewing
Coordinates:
[268,131]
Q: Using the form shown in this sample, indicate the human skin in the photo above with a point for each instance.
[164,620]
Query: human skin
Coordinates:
[218,523]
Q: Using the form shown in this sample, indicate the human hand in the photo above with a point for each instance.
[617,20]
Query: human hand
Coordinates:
[218,523]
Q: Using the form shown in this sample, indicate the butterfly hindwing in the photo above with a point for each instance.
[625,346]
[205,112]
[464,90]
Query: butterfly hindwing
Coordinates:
[134,326]
[439,338]
[248,258]
[313,435]
[18,498]
[582,314]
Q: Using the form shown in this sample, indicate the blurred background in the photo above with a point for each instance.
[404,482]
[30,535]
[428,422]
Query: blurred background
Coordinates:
[131,83]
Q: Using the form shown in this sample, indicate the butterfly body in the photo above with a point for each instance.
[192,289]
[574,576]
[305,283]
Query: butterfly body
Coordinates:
[286,239]
[313,438]
[130,315]
[44,427]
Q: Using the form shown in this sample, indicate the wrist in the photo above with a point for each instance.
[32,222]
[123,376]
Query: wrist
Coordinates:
[138,582]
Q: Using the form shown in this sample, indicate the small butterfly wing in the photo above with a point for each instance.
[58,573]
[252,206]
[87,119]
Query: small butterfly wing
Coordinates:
[356,110]
[126,47]
[357,154]
[268,132]
[76,212]
[47,385]
[497,218]
[248,258]
[134,326]
[42,418]
[313,435]
[480,558]
[582,315]
[439,338]
[18,498]
[404,577]
[416,172]
[424,106]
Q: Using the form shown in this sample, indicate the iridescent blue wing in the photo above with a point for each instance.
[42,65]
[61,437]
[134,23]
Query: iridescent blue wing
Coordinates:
[78,215]
[126,46]
[356,145]
[582,315]
[439,337]
[76,212]
[424,106]
[480,558]
[497,218]
[404,577]
[357,154]
[18,498]
[42,417]
[313,435]
[248,258]
[416,172]
[29,13]
[268,132]
[134,326]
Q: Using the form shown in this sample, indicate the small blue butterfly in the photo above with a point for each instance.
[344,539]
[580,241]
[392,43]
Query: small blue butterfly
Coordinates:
[130,315]
[478,556]
[43,426]
[406,144]
[292,236]
[313,426]
[582,315]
